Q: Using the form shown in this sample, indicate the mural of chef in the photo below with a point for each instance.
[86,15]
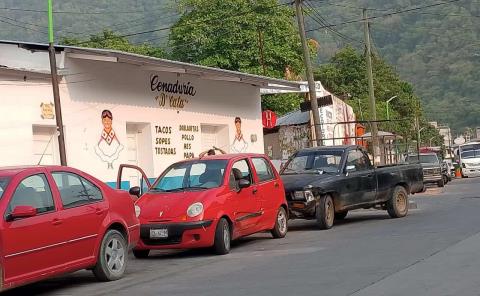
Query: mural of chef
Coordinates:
[239,144]
[108,147]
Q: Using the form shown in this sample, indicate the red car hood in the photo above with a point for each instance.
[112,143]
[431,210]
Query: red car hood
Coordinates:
[157,207]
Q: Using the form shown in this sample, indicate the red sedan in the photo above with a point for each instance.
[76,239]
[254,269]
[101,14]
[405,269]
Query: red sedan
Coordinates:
[58,220]
[210,201]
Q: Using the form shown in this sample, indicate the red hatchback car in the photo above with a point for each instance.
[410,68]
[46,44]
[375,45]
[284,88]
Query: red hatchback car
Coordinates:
[58,220]
[210,201]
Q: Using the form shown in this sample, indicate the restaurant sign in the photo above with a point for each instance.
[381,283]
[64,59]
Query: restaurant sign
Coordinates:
[172,94]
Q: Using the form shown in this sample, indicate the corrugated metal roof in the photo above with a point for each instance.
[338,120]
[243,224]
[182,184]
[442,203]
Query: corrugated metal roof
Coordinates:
[125,57]
[294,118]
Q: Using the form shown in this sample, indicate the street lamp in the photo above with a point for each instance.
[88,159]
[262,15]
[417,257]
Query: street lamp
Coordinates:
[388,102]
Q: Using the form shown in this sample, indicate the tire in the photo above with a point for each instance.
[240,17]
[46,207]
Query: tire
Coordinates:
[341,215]
[141,254]
[397,205]
[325,212]
[441,183]
[281,224]
[223,237]
[112,257]
[445,180]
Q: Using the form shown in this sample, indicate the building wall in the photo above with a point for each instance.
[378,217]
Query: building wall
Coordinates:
[148,133]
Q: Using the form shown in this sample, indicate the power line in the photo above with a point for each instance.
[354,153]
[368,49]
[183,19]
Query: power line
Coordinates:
[385,15]
[73,12]
[193,23]
[21,26]
[319,19]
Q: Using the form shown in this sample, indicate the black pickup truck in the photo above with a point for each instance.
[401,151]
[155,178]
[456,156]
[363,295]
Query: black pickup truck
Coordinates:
[324,183]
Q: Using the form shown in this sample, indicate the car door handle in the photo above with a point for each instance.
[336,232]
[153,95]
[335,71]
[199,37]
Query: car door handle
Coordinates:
[56,221]
[255,190]
[369,175]
[276,185]
[99,211]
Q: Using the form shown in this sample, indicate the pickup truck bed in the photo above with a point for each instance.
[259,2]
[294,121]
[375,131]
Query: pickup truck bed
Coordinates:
[337,179]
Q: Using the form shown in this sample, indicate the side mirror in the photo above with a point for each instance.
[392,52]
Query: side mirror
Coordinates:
[137,191]
[242,183]
[20,212]
[350,168]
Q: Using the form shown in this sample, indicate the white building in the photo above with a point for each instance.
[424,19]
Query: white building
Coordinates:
[162,111]
[293,131]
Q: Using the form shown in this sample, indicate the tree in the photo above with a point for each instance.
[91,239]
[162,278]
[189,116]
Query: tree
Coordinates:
[258,37]
[110,40]
[345,75]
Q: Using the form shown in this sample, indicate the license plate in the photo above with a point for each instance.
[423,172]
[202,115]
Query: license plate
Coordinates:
[159,233]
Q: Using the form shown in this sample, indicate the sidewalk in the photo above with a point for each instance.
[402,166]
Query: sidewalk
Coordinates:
[453,271]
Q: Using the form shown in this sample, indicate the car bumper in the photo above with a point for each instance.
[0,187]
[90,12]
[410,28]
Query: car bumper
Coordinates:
[301,209]
[133,235]
[471,172]
[432,179]
[184,235]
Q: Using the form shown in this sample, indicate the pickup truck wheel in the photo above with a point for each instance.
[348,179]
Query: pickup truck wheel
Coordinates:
[325,212]
[221,245]
[112,258]
[341,215]
[441,183]
[281,224]
[397,206]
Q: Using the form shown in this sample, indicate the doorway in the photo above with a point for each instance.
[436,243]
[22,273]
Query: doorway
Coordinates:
[215,135]
[139,152]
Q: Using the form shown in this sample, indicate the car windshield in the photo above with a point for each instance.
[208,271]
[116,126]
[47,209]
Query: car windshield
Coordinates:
[471,151]
[3,185]
[428,158]
[314,161]
[191,175]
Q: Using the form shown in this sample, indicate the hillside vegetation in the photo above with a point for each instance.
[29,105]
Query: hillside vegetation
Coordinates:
[435,49]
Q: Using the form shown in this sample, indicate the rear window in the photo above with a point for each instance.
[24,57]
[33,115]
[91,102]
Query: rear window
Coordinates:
[3,185]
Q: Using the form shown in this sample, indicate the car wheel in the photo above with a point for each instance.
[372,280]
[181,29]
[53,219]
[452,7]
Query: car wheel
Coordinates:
[445,180]
[325,212]
[223,238]
[112,257]
[397,206]
[441,183]
[281,224]
[341,215]
[141,254]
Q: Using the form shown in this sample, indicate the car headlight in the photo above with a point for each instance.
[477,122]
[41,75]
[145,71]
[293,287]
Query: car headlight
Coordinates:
[137,211]
[306,195]
[195,209]
[464,165]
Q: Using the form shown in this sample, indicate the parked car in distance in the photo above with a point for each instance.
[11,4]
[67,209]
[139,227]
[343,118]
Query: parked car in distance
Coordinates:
[324,183]
[432,169]
[58,220]
[209,202]
[447,177]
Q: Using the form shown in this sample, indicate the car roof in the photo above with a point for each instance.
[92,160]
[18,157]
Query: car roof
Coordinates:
[13,170]
[227,156]
[327,148]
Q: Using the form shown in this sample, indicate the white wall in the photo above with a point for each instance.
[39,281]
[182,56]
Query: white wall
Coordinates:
[124,90]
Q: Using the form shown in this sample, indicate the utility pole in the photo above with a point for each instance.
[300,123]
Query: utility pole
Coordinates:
[311,83]
[56,92]
[262,58]
[371,92]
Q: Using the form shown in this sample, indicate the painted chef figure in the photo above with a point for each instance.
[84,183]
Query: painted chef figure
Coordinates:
[108,147]
[239,144]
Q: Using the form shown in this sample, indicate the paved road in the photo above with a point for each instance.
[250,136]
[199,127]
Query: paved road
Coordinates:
[433,251]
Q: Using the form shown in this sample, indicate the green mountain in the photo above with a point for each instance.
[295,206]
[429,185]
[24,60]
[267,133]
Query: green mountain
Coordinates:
[435,48]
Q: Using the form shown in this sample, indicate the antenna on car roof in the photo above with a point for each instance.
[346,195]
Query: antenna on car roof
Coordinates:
[45,150]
